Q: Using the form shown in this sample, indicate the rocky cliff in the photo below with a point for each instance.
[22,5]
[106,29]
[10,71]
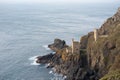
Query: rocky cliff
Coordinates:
[104,55]
[57,45]
[97,59]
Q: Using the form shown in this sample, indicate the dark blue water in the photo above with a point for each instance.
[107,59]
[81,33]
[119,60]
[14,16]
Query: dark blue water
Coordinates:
[26,29]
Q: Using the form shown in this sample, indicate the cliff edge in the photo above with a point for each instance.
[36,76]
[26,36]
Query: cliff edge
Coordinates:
[103,55]
[98,56]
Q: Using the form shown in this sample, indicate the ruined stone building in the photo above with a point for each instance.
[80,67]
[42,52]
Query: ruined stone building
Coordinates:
[69,50]
[75,47]
[96,35]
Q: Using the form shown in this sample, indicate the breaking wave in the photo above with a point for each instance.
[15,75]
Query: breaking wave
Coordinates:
[46,47]
[33,59]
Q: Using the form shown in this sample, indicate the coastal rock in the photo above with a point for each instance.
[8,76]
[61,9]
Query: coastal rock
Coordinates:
[110,45]
[97,59]
[57,45]
[44,59]
[103,53]
[110,23]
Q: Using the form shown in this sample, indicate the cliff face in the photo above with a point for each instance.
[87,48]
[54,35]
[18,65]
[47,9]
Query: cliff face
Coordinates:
[104,54]
[98,59]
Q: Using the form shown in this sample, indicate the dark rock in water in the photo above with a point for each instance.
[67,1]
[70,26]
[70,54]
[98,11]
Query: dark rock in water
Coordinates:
[44,59]
[57,45]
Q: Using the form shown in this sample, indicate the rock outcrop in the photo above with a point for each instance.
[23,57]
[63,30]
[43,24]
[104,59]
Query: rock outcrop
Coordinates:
[97,59]
[57,45]
[44,59]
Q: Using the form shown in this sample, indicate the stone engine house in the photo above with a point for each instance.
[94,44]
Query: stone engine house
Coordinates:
[75,47]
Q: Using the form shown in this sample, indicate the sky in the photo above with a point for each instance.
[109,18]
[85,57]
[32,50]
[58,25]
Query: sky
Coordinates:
[58,1]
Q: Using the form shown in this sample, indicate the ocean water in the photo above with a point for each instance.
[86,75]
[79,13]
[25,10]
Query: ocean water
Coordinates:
[27,29]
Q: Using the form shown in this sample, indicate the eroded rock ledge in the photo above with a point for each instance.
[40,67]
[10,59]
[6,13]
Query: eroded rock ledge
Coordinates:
[96,60]
[57,45]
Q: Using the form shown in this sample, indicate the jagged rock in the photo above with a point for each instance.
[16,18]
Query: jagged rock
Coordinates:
[110,23]
[44,59]
[110,45]
[57,45]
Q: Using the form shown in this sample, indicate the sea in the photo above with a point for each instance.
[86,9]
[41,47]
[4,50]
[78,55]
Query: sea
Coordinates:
[27,29]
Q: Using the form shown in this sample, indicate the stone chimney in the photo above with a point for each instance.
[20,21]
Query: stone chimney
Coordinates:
[95,34]
[72,45]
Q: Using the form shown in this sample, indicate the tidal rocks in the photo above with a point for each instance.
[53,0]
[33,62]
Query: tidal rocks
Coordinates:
[57,45]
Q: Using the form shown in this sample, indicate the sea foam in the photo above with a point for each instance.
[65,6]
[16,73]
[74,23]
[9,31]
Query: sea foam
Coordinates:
[51,72]
[56,75]
[34,59]
[46,47]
